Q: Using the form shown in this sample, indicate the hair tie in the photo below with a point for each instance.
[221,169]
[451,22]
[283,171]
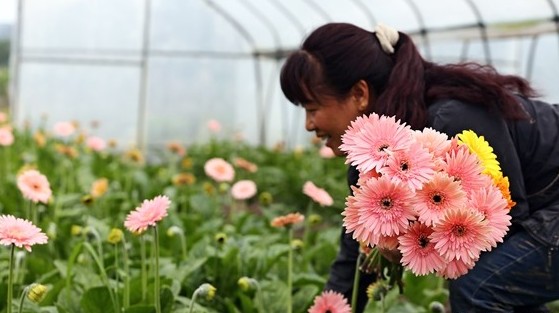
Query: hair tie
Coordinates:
[387,36]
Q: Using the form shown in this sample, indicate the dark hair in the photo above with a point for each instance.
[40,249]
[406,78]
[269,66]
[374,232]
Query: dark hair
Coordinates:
[337,55]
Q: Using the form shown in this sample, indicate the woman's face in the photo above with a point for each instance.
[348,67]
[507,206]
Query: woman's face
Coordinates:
[330,118]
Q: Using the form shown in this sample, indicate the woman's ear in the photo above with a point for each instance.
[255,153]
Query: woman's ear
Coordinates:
[360,94]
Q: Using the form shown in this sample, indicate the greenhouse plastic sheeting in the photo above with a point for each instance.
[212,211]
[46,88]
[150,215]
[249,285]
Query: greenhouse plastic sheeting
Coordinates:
[148,72]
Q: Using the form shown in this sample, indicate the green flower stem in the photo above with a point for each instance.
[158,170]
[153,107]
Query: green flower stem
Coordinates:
[290,272]
[143,267]
[116,276]
[306,232]
[156,270]
[193,300]
[22,299]
[183,245]
[126,292]
[103,273]
[356,278]
[260,305]
[10,280]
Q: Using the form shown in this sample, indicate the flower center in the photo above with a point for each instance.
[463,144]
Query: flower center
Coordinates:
[382,147]
[459,230]
[386,203]
[437,198]
[404,166]
[423,241]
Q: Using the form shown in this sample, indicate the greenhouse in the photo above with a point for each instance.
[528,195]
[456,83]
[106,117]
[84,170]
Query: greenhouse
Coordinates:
[152,160]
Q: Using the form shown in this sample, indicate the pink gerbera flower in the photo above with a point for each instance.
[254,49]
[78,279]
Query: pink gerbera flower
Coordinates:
[465,167]
[353,223]
[384,206]
[64,129]
[96,143]
[388,242]
[437,143]
[6,136]
[490,202]
[219,170]
[243,189]
[330,302]
[368,144]
[317,194]
[413,166]
[437,196]
[20,232]
[364,177]
[460,234]
[34,186]
[148,214]
[456,268]
[418,251]
[214,126]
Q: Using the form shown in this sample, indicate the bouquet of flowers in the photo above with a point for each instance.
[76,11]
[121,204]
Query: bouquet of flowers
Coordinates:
[440,201]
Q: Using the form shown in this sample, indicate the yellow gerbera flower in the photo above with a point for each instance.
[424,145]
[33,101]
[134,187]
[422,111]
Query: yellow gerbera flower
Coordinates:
[479,146]
[502,182]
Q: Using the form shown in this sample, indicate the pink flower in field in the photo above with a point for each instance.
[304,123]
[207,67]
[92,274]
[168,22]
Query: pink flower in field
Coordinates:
[6,136]
[460,235]
[214,126]
[317,194]
[456,268]
[34,186]
[465,167]
[96,143]
[219,170]
[243,189]
[287,220]
[437,196]
[385,206]
[413,166]
[326,153]
[148,214]
[330,302]
[64,129]
[20,232]
[490,202]
[418,251]
[368,145]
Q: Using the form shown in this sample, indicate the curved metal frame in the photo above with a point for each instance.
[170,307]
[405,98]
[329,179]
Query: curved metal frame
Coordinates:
[263,97]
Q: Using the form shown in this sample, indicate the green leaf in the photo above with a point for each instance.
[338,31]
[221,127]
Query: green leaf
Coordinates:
[304,297]
[167,300]
[140,309]
[97,300]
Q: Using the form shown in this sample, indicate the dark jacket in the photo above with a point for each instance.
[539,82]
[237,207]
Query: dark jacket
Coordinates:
[528,152]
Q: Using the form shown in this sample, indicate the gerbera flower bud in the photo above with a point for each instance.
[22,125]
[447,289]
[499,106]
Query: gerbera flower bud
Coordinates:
[224,187]
[436,307]
[208,188]
[207,291]
[173,231]
[265,198]
[247,284]
[315,219]
[377,290]
[87,199]
[37,292]
[220,238]
[115,236]
[76,230]
[297,244]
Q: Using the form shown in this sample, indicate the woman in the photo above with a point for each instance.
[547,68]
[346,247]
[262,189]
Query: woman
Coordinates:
[342,71]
